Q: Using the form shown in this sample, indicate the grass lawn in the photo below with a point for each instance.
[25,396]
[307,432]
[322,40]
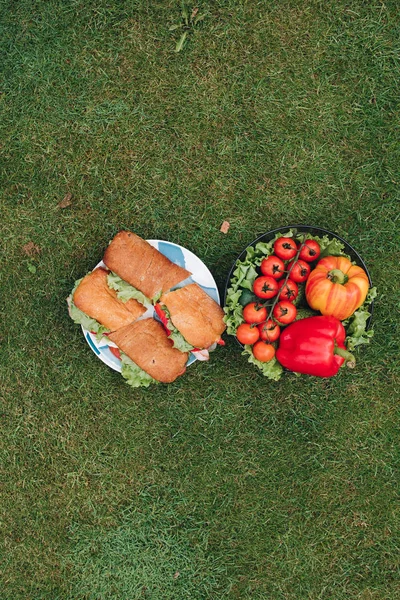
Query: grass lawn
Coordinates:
[222,485]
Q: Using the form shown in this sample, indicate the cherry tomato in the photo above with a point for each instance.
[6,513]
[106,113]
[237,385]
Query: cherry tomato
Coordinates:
[265,287]
[284,312]
[285,248]
[300,271]
[288,291]
[246,334]
[269,331]
[273,266]
[310,251]
[263,352]
[254,313]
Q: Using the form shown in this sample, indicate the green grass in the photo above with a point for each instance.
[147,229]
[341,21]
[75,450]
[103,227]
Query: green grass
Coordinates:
[223,484]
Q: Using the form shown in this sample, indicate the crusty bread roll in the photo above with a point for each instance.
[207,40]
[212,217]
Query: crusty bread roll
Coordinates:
[195,314]
[141,265]
[98,301]
[147,344]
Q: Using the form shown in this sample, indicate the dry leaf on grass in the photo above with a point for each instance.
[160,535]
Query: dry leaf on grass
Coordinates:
[225,227]
[30,249]
[66,201]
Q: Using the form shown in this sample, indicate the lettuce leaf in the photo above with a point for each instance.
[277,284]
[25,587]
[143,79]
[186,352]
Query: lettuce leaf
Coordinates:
[272,369]
[178,340]
[329,246]
[125,291]
[134,375]
[356,325]
[82,318]
[233,311]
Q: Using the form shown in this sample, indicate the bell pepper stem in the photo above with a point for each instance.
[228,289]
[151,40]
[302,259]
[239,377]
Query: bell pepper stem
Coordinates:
[348,356]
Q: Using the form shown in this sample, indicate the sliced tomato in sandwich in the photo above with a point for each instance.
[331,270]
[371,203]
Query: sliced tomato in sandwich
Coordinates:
[115,351]
[163,318]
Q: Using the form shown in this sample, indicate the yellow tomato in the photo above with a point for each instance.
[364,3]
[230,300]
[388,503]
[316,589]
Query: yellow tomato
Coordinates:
[336,287]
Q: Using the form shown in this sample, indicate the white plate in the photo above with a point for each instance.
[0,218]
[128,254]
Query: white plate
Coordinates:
[185,259]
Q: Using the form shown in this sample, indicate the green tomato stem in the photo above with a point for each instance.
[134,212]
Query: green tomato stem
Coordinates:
[293,261]
[337,276]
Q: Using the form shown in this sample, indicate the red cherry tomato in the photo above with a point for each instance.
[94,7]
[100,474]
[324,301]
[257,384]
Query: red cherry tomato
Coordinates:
[310,251]
[265,287]
[263,352]
[246,334]
[285,248]
[269,331]
[288,290]
[254,313]
[273,266]
[284,312]
[300,271]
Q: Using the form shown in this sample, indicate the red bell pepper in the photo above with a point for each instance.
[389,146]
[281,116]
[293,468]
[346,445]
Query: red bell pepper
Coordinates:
[314,346]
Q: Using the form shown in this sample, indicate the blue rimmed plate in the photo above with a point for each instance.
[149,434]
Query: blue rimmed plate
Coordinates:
[185,259]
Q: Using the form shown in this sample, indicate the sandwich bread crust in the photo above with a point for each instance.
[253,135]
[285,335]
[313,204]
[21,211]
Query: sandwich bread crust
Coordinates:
[98,301]
[147,344]
[141,265]
[195,314]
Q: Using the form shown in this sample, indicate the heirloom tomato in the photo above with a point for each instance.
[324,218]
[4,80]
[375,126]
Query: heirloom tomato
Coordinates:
[337,287]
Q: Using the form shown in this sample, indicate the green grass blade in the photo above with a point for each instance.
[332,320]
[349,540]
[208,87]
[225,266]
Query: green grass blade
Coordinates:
[181,42]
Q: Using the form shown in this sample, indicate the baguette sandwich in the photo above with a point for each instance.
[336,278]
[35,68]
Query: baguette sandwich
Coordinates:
[147,354]
[193,320]
[97,307]
[135,261]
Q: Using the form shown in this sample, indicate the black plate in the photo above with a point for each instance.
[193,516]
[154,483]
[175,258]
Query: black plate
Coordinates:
[269,235]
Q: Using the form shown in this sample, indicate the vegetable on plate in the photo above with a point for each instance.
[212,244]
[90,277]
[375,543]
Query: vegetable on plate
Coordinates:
[337,287]
[314,346]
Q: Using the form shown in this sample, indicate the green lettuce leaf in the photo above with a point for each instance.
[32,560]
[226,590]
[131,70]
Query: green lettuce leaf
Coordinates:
[179,341]
[134,375]
[81,318]
[356,325]
[233,311]
[125,291]
[157,296]
[329,246]
[272,369]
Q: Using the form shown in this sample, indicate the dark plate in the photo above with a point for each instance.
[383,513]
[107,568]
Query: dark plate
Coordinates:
[269,235]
